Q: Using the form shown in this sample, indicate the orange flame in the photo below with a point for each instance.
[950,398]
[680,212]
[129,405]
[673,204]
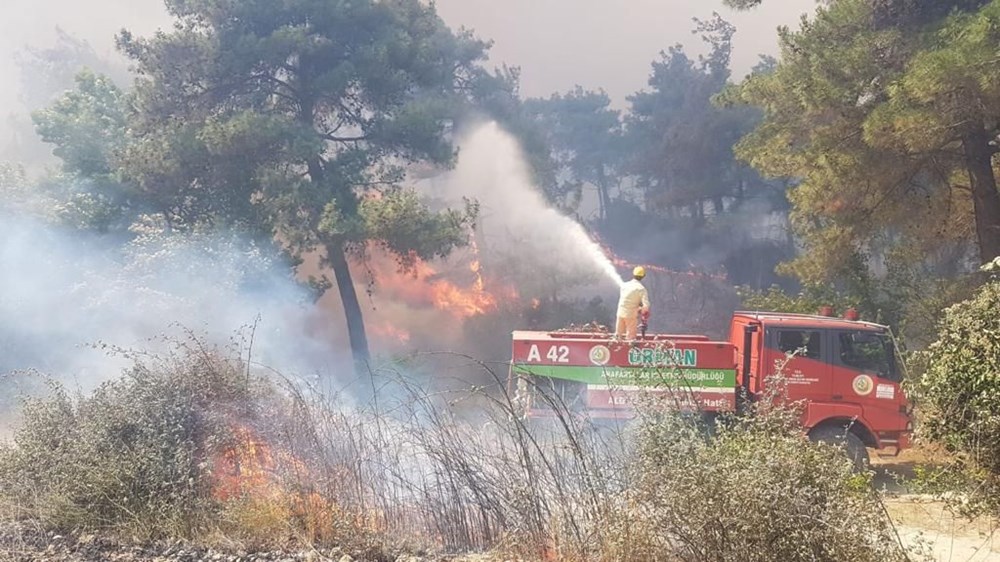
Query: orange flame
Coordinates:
[425,286]
[244,467]
[476,267]
[267,482]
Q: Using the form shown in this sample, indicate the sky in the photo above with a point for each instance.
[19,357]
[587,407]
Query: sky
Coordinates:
[609,44]
[557,43]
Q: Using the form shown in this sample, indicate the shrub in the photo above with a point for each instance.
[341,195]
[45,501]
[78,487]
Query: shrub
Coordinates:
[663,489]
[195,447]
[808,301]
[132,455]
[757,490]
[959,395]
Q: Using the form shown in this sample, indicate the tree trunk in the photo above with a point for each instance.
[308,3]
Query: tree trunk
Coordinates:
[345,285]
[699,212]
[718,205]
[352,307]
[985,198]
[602,192]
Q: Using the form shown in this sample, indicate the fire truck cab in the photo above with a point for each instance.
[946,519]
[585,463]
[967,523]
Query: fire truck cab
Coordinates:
[844,372]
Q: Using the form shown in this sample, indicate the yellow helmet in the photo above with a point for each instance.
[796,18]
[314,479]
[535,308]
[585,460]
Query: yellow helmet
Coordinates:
[639,272]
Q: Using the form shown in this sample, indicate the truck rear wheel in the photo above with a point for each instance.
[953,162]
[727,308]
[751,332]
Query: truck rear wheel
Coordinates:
[841,436]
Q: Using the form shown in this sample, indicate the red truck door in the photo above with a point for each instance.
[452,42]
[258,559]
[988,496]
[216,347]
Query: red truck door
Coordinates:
[803,357]
[865,373]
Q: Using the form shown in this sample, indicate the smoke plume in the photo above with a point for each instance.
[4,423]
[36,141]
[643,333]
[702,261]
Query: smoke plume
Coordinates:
[68,298]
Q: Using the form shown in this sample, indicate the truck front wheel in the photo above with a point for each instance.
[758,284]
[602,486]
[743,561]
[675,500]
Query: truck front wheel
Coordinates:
[841,436]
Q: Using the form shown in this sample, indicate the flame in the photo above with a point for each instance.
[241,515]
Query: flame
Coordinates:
[266,482]
[246,466]
[476,267]
[424,286]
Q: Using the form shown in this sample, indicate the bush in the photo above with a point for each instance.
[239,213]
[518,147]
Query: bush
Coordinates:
[757,490]
[134,455]
[959,394]
[664,489]
[808,301]
[195,447]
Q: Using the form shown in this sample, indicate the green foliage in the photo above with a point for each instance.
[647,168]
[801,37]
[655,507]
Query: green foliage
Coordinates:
[301,116]
[87,125]
[134,456]
[810,129]
[297,118]
[917,13]
[680,141]
[405,226]
[742,4]
[586,137]
[874,178]
[959,397]
[756,490]
[945,104]
[807,301]
[677,180]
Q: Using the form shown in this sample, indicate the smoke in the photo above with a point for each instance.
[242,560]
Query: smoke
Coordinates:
[516,218]
[529,267]
[68,298]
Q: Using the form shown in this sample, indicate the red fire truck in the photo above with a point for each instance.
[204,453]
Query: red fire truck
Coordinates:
[843,371]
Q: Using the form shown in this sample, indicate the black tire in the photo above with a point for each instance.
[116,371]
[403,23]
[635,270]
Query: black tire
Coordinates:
[841,436]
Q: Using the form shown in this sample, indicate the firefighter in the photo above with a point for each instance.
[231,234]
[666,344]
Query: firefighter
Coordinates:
[634,301]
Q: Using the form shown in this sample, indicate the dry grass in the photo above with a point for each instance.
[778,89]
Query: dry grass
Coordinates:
[199,447]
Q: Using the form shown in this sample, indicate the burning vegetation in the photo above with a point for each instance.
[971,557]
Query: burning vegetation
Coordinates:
[475,286]
[198,447]
[421,285]
[309,144]
[404,300]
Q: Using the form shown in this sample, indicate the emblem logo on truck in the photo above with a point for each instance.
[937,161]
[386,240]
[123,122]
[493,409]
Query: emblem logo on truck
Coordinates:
[863,385]
[600,355]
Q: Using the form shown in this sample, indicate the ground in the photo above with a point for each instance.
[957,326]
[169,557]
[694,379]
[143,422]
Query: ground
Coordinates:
[921,519]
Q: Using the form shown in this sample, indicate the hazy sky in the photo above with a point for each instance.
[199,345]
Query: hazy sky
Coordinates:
[557,43]
[608,43]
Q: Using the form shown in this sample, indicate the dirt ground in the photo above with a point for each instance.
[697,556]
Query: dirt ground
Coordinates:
[923,521]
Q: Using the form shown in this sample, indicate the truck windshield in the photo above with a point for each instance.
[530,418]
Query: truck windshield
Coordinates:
[869,352]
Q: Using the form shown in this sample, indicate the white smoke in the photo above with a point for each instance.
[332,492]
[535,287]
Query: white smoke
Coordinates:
[63,291]
[515,216]
[67,297]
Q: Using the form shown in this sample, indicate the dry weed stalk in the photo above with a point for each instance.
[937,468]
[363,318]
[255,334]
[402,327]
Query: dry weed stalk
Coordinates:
[412,472]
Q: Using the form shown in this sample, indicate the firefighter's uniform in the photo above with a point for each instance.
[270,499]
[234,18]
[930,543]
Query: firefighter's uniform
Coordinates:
[634,299]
